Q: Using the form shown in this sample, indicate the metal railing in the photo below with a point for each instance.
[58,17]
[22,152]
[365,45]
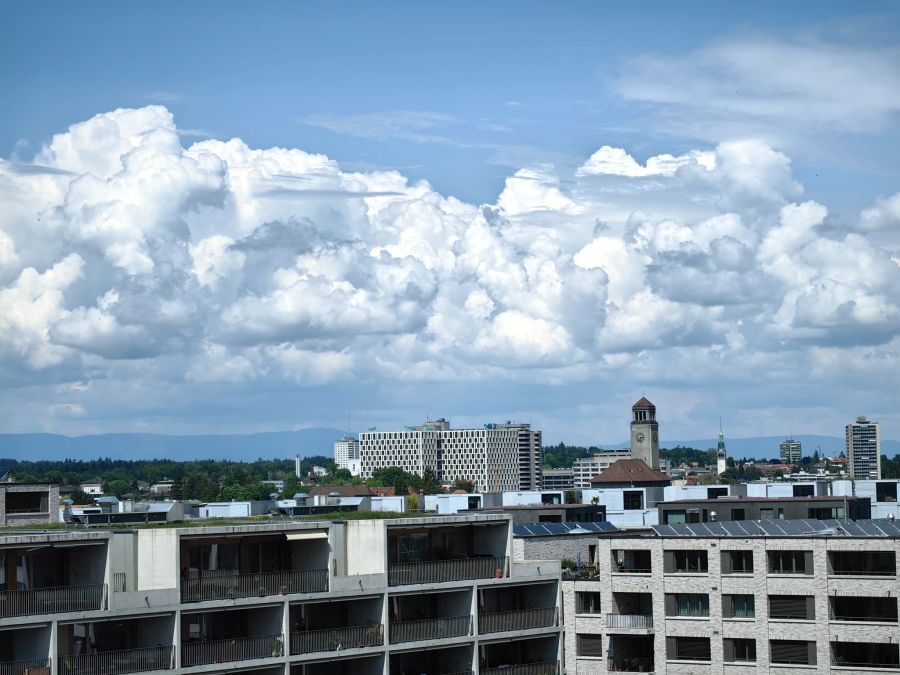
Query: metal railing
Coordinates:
[498,622]
[440,571]
[52,600]
[634,664]
[337,639]
[231,649]
[864,619]
[623,569]
[119,662]
[228,585]
[642,621]
[430,629]
[26,667]
[120,582]
[863,573]
[539,668]
[854,664]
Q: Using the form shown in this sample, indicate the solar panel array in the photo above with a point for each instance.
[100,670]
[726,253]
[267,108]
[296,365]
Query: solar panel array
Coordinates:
[555,529]
[782,528]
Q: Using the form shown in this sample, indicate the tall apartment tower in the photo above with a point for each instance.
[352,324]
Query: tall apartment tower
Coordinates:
[864,449]
[346,454]
[531,455]
[645,433]
[790,452]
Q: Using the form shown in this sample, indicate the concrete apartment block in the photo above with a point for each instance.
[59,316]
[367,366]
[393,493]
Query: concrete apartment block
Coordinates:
[28,504]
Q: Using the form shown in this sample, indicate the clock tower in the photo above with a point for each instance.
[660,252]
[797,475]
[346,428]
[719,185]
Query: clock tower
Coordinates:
[645,433]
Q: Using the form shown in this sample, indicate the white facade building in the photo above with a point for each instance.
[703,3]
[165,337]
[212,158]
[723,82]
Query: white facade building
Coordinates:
[489,456]
[587,467]
[864,449]
[346,454]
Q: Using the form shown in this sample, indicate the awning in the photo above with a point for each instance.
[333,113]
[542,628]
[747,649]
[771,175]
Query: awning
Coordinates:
[298,536]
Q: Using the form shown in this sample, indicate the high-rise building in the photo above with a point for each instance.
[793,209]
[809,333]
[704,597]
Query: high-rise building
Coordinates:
[346,454]
[531,455]
[790,451]
[645,433]
[487,456]
[864,449]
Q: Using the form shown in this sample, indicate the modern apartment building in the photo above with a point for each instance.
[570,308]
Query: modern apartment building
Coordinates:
[864,449]
[354,597]
[487,456]
[531,455]
[346,454]
[790,452]
[739,597]
[557,479]
[587,467]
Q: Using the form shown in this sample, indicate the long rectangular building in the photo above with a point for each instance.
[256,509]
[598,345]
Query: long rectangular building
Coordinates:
[352,597]
[488,456]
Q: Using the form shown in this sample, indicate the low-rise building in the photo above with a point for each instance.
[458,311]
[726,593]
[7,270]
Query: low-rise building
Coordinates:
[763,508]
[28,503]
[558,479]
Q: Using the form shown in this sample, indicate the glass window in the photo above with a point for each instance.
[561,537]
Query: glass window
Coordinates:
[689,604]
[587,602]
[737,649]
[589,645]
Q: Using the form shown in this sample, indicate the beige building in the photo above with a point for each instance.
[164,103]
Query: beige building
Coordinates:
[864,449]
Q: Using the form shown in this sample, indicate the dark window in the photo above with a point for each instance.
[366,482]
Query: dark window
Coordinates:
[804,491]
[738,606]
[687,604]
[826,513]
[792,607]
[687,649]
[25,502]
[587,602]
[862,608]
[790,562]
[737,562]
[737,649]
[634,499]
[792,651]
[689,562]
[886,492]
[716,492]
[863,563]
[738,514]
[771,514]
[549,519]
[589,645]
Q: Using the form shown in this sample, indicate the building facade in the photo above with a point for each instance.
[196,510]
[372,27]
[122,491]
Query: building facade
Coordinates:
[489,456]
[385,597]
[645,433]
[346,454]
[790,452]
[864,449]
[587,467]
[531,455]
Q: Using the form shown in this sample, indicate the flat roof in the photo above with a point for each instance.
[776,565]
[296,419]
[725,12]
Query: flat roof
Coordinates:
[556,529]
[882,528]
[743,499]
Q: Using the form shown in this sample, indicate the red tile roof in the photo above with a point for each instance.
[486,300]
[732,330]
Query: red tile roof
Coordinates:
[630,471]
[643,403]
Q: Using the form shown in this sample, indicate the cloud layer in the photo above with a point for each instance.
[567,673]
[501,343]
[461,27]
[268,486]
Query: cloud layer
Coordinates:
[129,259]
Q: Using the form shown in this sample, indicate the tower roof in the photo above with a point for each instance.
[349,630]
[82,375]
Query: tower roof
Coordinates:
[643,403]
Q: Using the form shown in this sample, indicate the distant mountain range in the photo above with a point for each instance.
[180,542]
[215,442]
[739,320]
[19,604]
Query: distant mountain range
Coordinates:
[766,447]
[235,447]
[317,441]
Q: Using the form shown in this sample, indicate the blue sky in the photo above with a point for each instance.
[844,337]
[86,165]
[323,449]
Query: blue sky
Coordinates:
[721,287]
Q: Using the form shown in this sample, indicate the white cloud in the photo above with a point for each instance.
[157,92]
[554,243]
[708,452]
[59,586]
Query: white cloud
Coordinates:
[130,258]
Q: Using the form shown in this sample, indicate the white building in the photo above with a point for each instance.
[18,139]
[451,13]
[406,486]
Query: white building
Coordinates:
[346,450]
[489,456]
[587,467]
[864,449]
[790,452]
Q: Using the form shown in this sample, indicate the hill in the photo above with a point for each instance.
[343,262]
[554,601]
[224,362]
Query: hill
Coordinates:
[235,447]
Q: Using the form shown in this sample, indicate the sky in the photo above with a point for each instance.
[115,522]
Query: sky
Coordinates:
[235,217]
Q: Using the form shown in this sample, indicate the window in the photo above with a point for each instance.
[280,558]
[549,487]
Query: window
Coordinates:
[589,645]
[886,492]
[792,651]
[736,649]
[795,607]
[587,602]
[687,604]
[826,513]
[674,517]
[790,562]
[633,499]
[738,514]
[771,514]
[687,649]
[737,562]
[804,491]
[716,492]
[738,606]
[685,562]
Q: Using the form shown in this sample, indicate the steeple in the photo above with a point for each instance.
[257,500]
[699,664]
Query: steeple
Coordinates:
[721,446]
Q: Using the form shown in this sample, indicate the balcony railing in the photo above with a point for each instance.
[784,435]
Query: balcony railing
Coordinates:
[838,663]
[337,639]
[633,664]
[28,667]
[499,622]
[52,600]
[231,649]
[119,662]
[430,629]
[864,619]
[580,573]
[441,571]
[539,668]
[624,621]
[228,585]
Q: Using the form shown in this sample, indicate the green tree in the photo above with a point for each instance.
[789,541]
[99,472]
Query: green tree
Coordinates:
[463,484]
[291,487]
[395,477]
[116,487]
[430,483]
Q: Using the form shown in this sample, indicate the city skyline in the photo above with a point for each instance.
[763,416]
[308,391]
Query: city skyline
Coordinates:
[526,215]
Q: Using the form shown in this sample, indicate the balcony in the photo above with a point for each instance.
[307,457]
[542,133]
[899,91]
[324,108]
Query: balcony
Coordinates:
[52,600]
[337,639]
[231,649]
[862,655]
[430,629]
[863,609]
[631,664]
[442,571]
[118,662]
[631,562]
[539,668]
[502,622]
[629,621]
[229,585]
[26,667]
[862,563]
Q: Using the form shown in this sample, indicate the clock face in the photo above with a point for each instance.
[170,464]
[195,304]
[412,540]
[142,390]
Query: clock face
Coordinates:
[640,437]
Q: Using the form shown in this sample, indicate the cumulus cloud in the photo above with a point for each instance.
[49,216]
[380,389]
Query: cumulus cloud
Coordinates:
[126,256]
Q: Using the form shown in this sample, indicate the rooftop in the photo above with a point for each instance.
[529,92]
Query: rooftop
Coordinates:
[882,528]
[642,403]
[630,471]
